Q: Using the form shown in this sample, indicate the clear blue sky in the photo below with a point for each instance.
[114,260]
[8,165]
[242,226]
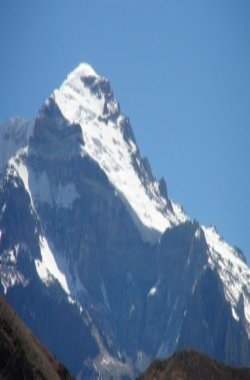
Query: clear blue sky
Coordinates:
[181,72]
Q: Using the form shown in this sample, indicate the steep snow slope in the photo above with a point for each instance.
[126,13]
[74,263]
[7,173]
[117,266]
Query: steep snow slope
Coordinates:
[233,271]
[85,98]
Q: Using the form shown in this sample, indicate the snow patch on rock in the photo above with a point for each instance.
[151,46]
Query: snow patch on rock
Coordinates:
[153,291]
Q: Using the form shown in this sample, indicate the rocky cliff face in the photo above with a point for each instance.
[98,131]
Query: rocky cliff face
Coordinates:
[100,263]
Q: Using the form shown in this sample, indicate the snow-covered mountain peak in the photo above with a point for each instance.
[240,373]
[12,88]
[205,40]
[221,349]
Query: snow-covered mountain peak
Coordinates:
[86,94]
[63,221]
[86,99]
[83,70]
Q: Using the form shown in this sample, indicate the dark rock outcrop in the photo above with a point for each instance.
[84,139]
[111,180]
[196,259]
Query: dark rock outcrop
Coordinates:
[192,365]
[22,356]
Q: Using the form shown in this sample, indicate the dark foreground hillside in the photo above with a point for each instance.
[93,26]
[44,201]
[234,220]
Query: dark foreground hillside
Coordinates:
[22,356]
[192,365]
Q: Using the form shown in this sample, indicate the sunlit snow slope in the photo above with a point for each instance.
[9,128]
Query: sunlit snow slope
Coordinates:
[233,271]
[87,99]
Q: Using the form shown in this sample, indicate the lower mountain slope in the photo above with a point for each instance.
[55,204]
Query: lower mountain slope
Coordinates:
[22,356]
[192,365]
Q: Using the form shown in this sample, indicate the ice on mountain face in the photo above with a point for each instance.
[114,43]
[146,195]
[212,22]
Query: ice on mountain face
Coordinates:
[86,99]
[233,271]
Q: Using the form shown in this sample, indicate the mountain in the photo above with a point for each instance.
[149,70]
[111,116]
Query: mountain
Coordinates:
[192,365]
[14,134]
[21,355]
[99,262]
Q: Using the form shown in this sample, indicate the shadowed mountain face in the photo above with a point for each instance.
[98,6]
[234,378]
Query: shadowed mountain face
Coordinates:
[192,365]
[22,356]
[98,261]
